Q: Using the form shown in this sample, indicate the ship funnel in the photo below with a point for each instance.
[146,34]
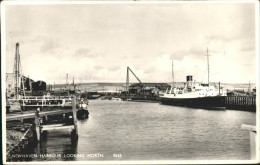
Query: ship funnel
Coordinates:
[189,78]
[189,82]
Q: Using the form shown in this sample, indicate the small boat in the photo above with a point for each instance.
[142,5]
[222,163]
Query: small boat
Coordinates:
[82,112]
[116,99]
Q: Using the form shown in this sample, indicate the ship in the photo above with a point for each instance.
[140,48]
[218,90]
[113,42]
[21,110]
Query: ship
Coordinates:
[195,95]
[82,112]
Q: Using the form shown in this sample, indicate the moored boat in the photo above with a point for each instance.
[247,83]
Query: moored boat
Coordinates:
[82,112]
[116,99]
[194,94]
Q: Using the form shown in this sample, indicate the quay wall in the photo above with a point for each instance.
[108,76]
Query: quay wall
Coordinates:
[24,144]
[247,103]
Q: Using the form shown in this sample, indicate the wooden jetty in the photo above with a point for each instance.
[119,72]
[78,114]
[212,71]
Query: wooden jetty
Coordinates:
[45,107]
[241,103]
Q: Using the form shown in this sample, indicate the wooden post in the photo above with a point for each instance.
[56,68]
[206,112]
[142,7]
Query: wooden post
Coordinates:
[252,135]
[219,88]
[74,110]
[38,124]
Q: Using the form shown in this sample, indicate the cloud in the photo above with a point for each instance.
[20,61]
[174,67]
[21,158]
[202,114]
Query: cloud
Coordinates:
[48,46]
[114,68]
[82,52]
[248,64]
[219,37]
[17,33]
[247,48]
[85,52]
[192,52]
[97,67]
[149,70]
[97,40]
[38,38]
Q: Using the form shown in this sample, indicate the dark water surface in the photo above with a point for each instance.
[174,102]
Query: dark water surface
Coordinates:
[119,130]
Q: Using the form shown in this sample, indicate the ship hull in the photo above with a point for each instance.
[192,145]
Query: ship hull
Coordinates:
[216,102]
[82,114]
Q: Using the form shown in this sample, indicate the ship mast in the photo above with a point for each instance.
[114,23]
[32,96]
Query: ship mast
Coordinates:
[73,84]
[172,76]
[208,66]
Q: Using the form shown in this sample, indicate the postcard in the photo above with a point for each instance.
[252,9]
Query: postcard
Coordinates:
[130,82]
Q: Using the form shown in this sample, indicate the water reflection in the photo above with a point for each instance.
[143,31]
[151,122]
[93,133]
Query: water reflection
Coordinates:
[57,146]
[82,121]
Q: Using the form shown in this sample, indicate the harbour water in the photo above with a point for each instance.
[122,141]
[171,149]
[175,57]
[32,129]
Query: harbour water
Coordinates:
[120,130]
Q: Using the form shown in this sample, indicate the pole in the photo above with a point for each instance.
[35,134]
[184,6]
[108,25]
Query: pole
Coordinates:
[38,124]
[219,88]
[17,77]
[67,81]
[127,81]
[30,83]
[23,85]
[73,84]
[74,110]
[208,67]
[172,76]
[249,89]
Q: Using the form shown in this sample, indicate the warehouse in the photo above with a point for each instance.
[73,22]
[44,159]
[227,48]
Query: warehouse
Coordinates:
[148,88]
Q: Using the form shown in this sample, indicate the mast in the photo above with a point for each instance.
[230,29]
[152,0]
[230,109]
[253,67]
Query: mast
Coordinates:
[172,76]
[53,87]
[73,84]
[249,89]
[30,84]
[67,80]
[208,66]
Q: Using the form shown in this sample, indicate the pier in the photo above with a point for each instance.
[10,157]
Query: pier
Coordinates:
[64,108]
[241,103]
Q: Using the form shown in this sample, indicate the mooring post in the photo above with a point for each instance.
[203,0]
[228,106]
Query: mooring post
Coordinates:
[252,135]
[38,124]
[74,110]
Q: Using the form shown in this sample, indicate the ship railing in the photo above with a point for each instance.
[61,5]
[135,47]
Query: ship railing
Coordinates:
[42,101]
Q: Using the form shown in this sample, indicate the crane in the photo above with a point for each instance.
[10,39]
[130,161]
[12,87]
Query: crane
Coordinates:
[17,72]
[127,78]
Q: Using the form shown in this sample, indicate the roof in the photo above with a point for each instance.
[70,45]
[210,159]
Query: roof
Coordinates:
[151,85]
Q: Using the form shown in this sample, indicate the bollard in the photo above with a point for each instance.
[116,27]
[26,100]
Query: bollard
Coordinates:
[74,111]
[38,124]
[252,135]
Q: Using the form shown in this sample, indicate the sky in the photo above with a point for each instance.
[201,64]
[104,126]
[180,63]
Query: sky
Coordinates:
[96,42]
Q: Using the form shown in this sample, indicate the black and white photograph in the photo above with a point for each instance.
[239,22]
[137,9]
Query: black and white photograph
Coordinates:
[130,82]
